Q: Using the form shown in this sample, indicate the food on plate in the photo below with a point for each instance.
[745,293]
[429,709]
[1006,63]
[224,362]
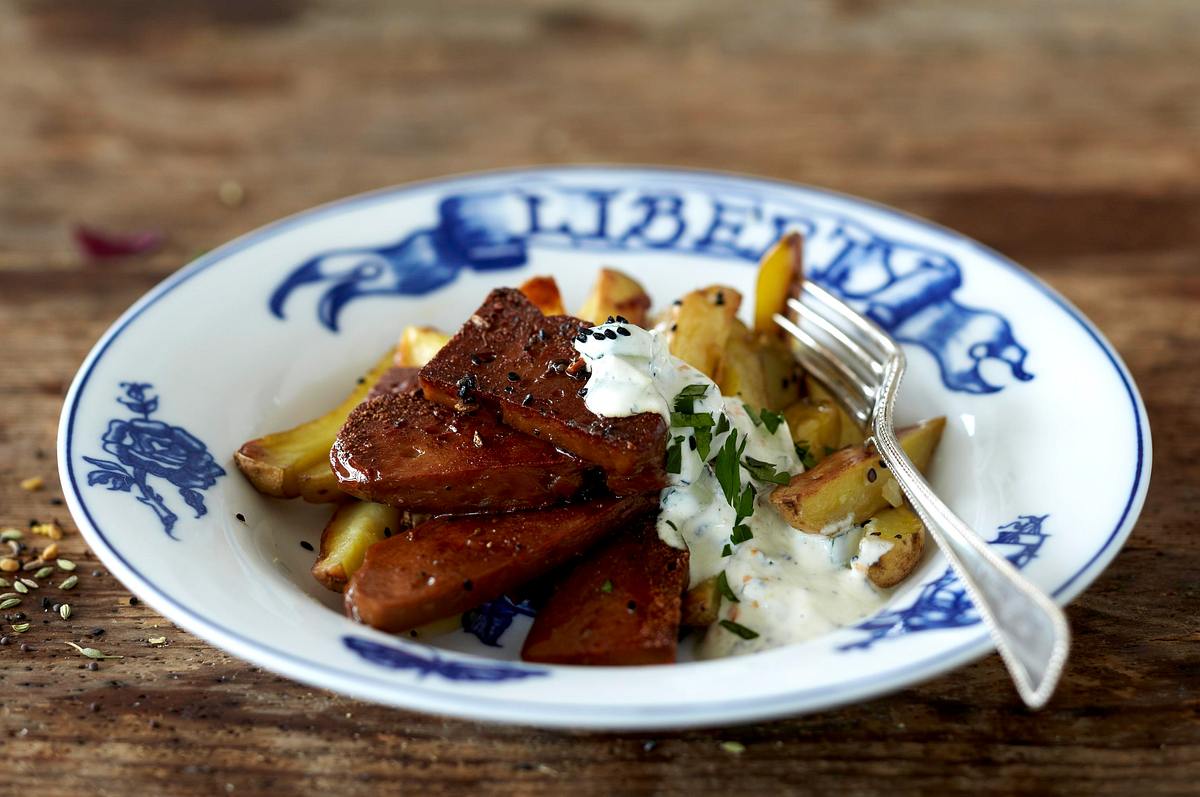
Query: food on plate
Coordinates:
[619,606]
[414,454]
[277,463]
[543,292]
[891,547]
[615,294]
[780,275]
[354,527]
[445,566]
[849,486]
[510,357]
[628,476]
[418,345]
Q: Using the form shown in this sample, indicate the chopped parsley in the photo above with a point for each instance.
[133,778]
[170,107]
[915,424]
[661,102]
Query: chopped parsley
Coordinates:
[805,455]
[696,420]
[741,533]
[675,456]
[740,630]
[765,471]
[703,436]
[745,503]
[726,551]
[724,588]
[726,469]
[672,525]
[771,420]
[722,425]
[685,400]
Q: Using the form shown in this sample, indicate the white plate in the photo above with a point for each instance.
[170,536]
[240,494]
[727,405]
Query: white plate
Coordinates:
[1047,450]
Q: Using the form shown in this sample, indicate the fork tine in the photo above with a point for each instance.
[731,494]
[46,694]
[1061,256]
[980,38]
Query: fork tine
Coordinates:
[869,369]
[883,344]
[815,356]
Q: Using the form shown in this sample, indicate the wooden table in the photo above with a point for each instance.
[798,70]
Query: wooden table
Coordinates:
[1066,135]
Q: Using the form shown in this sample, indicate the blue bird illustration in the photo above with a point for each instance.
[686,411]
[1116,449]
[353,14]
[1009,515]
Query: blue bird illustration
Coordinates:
[474,231]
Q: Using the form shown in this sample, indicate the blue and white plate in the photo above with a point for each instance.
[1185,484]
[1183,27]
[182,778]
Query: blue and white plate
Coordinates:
[1047,450]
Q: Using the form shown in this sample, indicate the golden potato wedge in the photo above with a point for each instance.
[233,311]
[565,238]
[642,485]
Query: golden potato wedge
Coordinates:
[850,433]
[740,369]
[701,604]
[354,527]
[616,294]
[700,324]
[543,292]
[782,374]
[317,484]
[892,544]
[848,486]
[418,345]
[275,463]
[780,273]
[815,428]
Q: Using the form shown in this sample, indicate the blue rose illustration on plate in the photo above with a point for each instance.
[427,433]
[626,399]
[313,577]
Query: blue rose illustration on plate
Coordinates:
[143,448]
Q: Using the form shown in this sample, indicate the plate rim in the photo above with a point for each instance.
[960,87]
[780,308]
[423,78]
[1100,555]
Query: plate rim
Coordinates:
[444,699]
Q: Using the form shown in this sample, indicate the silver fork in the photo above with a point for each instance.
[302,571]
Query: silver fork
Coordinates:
[862,366]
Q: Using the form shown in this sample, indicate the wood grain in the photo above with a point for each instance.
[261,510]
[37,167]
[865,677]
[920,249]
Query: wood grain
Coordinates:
[1066,136]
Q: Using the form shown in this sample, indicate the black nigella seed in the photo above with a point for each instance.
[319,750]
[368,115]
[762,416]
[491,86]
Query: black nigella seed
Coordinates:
[96,632]
[610,320]
[677,302]
[541,335]
[362,380]
[133,601]
[674,327]
[582,392]
[598,335]
[610,334]
[720,299]
[45,603]
[508,388]
[306,545]
[622,319]
[872,475]
[623,331]
[897,536]
[241,518]
[475,360]
[692,443]
[513,376]
[93,666]
[3,640]
[56,502]
[525,402]
[632,606]
[387,531]
[883,465]
[581,337]
[468,585]
[464,391]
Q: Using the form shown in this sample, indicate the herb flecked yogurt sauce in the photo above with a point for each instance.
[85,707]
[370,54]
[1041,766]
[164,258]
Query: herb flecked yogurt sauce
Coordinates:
[779,585]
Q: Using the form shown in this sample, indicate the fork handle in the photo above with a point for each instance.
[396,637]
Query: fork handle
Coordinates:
[1029,629]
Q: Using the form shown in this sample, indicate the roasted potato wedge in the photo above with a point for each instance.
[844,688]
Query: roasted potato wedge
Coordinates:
[276,463]
[782,375]
[816,429]
[780,273]
[700,324]
[702,604]
[615,294]
[740,369]
[849,486]
[317,484]
[543,292]
[418,345]
[620,606]
[354,527]
[849,432]
[891,547]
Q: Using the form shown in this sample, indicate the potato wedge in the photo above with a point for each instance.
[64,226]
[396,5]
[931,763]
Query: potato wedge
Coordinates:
[780,273]
[850,433]
[816,429]
[418,345]
[782,375]
[892,544]
[317,484]
[700,324]
[740,369]
[615,294]
[849,486]
[702,604]
[354,527]
[275,464]
[543,292]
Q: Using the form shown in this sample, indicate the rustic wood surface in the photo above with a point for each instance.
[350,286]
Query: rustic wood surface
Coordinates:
[1065,134]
